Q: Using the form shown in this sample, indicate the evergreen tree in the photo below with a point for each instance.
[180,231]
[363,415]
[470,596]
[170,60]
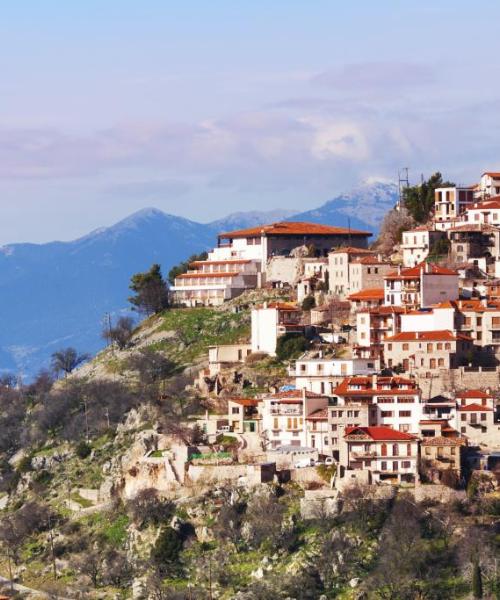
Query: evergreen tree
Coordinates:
[151,292]
[183,267]
[419,199]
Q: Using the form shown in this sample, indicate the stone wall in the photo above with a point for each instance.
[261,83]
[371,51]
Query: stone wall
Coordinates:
[284,268]
[437,492]
[462,378]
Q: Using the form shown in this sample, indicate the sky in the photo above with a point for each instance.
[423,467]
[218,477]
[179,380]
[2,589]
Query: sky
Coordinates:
[206,108]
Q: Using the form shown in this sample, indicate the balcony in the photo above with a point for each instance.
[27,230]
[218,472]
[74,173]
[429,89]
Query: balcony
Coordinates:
[286,412]
[363,455]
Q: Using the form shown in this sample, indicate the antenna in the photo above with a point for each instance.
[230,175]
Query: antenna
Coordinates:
[403,182]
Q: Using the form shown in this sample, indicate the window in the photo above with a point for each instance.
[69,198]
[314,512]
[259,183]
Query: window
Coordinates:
[406,464]
[463,417]
[276,423]
[405,413]
[334,427]
[235,410]
[440,362]
[383,465]
[439,346]
[453,450]
[427,450]
[429,347]
[333,414]
[408,449]
[483,416]
[406,346]
[395,449]
[335,441]
[389,347]
[387,413]
[463,429]
[447,346]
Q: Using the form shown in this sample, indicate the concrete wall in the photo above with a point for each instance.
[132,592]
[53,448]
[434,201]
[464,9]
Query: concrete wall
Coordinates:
[284,268]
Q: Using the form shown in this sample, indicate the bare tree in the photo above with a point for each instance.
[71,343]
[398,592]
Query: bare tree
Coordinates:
[121,333]
[67,360]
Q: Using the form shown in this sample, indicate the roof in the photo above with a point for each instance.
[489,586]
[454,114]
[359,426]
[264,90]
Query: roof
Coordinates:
[444,335]
[473,394]
[368,294]
[381,433]
[245,401]
[474,408]
[201,275]
[493,202]
[479,227]
[282,306]
[492,173]
[371,260]
[293,228]
[443,441]
[414,272]
[318,415]
[367,389]
[351,250]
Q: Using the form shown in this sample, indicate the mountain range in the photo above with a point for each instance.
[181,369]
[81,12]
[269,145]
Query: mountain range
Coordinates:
[56,295]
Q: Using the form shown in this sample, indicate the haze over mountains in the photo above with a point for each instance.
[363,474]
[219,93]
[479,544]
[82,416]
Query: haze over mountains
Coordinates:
[57,294]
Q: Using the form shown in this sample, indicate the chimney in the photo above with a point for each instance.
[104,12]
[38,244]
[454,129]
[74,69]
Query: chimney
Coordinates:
[399,269]
[427,267]
[374,381]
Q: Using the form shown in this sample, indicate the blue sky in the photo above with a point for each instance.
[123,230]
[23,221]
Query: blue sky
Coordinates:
[204,108]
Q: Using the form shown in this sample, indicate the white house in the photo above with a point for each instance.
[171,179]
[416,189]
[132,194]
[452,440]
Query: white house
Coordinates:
[450,203]
[417,244]
[422,285]
[284,417]
[271,321]
[322,375]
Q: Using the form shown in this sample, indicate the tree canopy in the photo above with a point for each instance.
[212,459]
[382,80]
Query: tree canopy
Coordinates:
[419,199]
[151,292]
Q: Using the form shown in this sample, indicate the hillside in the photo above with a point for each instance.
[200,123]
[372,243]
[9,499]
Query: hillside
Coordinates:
[57,294]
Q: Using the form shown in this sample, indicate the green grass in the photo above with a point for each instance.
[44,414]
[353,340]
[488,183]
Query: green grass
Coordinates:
[83,502]
[197,329]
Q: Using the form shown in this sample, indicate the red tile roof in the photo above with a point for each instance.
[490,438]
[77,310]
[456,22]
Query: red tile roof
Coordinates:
[493,202]
[494,174]
[367,389]
[444,335]
[473,394]
[443,441]
[381,433]
[368,294]
[282,306]
[318,415]
[293,228]
[474,408]
[371,260]
[245,401]
[414,272]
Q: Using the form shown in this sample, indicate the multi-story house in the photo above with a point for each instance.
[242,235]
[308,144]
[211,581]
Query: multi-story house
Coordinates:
[314,277]
[317,433]
[480,319]
[367,298]
[422,285]
[475,243]
[244,415]
[439,454]
[418,243]
[342,417]
[284,417]
[387,455]
[340,271]
[240,258]
[323,375]
[450,203]
[373,326]
[270,321]
[489,185]
[211,282]
[484,212]
[427,352]
[393,401]
[476,417]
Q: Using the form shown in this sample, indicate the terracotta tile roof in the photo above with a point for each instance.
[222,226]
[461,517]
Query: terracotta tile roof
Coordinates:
[493,202]
[381,433]
[433,422]
[371,260]
[367,389]
[444,335]
[385,310]
[473,394]
[480,227]
[201,275]
[443,441]
[282,306]
[474,408]
[414,272]
[245,401]
[351,250]
[494,174]
[293,228]
[368,294]
[318,415]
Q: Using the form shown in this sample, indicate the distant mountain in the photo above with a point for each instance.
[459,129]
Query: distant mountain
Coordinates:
[365,207]
[56,295]
[242,220]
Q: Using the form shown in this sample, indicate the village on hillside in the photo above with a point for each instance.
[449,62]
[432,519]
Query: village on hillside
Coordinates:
[395,377]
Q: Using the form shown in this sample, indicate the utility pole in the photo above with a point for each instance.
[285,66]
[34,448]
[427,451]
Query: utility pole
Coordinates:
[86,418]
[403,182]
[51,537]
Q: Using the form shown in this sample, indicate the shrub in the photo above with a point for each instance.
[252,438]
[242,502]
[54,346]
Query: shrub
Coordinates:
[308,303]
[166,551]
[83,450]
[24,465]
[290,346]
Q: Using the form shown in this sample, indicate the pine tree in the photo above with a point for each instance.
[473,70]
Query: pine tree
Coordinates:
[151,292]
